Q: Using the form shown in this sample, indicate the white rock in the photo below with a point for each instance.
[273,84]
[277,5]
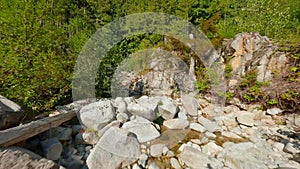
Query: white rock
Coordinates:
[274,111]
[230,135]
[142,128]
[113,149]
[176,123]
[210,135]
[135,166]
[143,160]
[90,138]
[122,117]
[211,149]
[231,109]
[153,166]
[278,146]
[197,127]
[122,107]
[207,124]
[97,115]
[245,118]
[182,114]
[156,150]
[142,111]
[196,159]
[167,108]
[190,104]
[174,163]
[290,148]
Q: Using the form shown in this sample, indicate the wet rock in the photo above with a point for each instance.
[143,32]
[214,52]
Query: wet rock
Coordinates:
[97,115]
[176,123]
[142,128]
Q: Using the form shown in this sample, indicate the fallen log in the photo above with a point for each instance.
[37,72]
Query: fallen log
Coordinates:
[20,133]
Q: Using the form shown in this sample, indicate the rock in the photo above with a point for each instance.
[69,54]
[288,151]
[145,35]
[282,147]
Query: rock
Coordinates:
[207,124]
[76,129]
[278,146]
[143,159]
[142,128]
[122,107]
[90,138]
[52,148]
[115,148]
[231,135]
[156,150]
[135,166]
[245,118]
[231,109]
[176,123]
[196,159]
[197,127]
[167,108]
[291,148]
[138,110]
[20,158]
[211,149]
[245,155]
[62,133]
[174,163]
[182,114]
[229,120]
[114,123]
[122,117]
[210,135]
[97,115]
[274,111]
[153,166]
[79,139]
[190,104]
[10,113]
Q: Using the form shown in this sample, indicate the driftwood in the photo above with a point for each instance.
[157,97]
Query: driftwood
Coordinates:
[20,133]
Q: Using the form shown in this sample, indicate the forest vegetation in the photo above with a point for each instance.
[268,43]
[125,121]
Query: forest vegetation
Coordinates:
[40,39]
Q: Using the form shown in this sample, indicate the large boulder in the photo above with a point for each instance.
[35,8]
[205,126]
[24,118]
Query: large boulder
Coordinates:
[10,113]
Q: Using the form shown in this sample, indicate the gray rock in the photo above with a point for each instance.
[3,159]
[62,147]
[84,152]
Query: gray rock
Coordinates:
[142,128]
[97,115]
[190,104]
[10,113]
[245,118]
[176,123]
[182,114]
[209,125]
[79,139]
[167,108]
[138,110]
[114,149]
[76,129]
[52,148]
[122,106]
[62,133]
[274,111]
